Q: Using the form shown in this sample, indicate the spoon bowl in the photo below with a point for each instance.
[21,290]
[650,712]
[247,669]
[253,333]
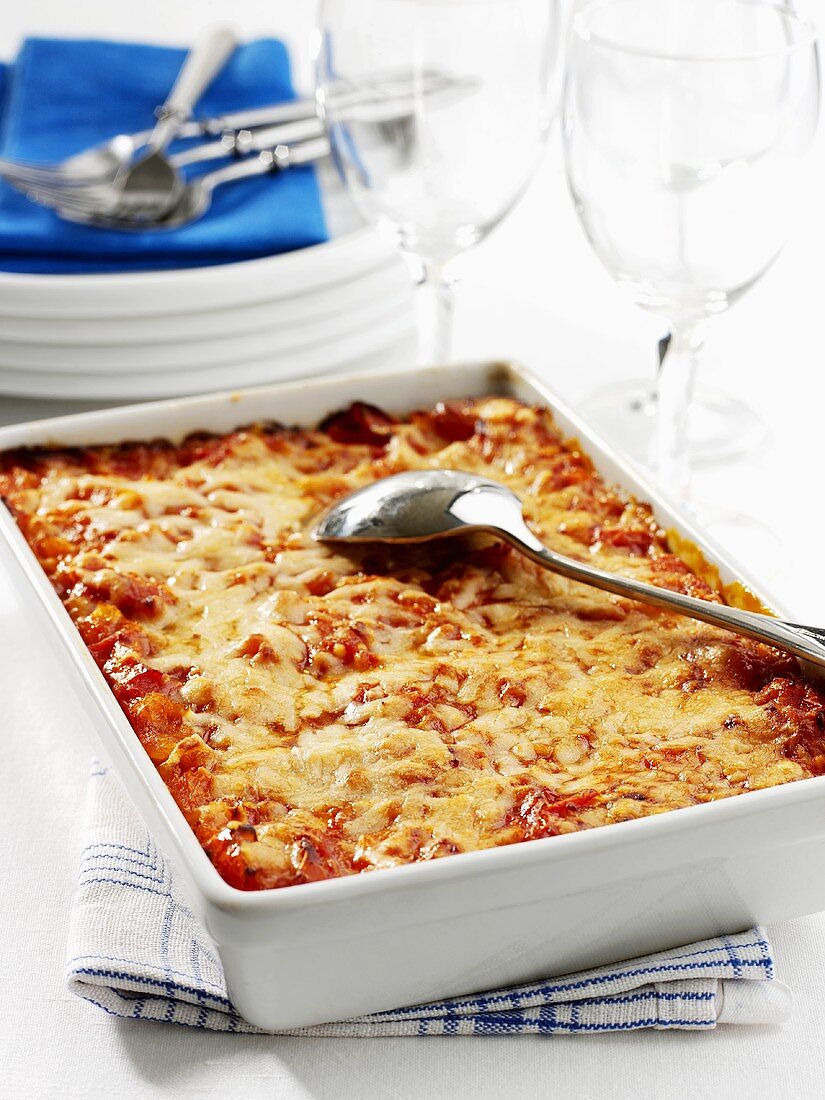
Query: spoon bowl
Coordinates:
[414,507]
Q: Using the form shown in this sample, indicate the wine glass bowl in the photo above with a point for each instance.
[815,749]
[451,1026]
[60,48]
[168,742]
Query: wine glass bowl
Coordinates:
[685,127]
[683,164]
[440,178]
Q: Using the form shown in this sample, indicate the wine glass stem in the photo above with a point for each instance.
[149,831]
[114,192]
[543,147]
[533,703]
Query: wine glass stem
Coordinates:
[674,393]
[435,315]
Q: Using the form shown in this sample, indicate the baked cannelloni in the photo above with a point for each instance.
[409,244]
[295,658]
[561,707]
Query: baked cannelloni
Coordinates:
[317,713]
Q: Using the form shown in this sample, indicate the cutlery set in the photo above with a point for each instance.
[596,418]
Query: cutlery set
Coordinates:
[135,182]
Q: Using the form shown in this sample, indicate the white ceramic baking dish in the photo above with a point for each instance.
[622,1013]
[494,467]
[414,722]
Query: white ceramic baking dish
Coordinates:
[329,950]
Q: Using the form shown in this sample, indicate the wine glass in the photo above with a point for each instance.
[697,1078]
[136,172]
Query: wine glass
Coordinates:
[442,176]
[685,123]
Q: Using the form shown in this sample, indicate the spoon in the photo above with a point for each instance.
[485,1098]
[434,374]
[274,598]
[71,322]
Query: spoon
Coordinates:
[433,504]
[194,198]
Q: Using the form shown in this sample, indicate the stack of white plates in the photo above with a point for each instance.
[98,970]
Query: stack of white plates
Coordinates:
[159,334]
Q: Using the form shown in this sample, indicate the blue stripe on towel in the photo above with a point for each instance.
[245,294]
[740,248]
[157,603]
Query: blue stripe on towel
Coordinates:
[141,954]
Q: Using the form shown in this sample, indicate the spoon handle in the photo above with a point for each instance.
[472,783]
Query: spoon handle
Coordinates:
[268,160]
[243,142]
[805,642]
[201,65]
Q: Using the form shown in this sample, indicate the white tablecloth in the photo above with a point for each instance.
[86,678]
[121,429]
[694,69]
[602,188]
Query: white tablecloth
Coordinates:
[534,292]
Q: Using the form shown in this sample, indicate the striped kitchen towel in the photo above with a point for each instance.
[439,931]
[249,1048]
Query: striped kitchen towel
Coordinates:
[138,952]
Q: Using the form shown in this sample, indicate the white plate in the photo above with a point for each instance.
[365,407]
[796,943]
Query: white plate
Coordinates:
[313,304]
[193,289]
[396,333]
[196,355]
[353,248]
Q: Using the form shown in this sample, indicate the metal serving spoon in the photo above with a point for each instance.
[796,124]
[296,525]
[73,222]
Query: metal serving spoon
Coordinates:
[433,504]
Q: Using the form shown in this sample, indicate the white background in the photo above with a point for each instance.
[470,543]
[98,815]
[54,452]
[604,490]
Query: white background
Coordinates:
[534,292]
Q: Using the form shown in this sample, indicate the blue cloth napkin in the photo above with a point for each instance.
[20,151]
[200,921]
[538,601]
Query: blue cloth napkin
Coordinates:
[138,952]
[62,95]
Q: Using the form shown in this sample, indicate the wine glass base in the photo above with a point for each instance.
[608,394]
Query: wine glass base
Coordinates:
[721,428]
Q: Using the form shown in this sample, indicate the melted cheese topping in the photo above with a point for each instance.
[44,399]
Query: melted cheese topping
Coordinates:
[318,714]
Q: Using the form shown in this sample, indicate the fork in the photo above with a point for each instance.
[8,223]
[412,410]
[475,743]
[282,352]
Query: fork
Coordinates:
[106,201]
